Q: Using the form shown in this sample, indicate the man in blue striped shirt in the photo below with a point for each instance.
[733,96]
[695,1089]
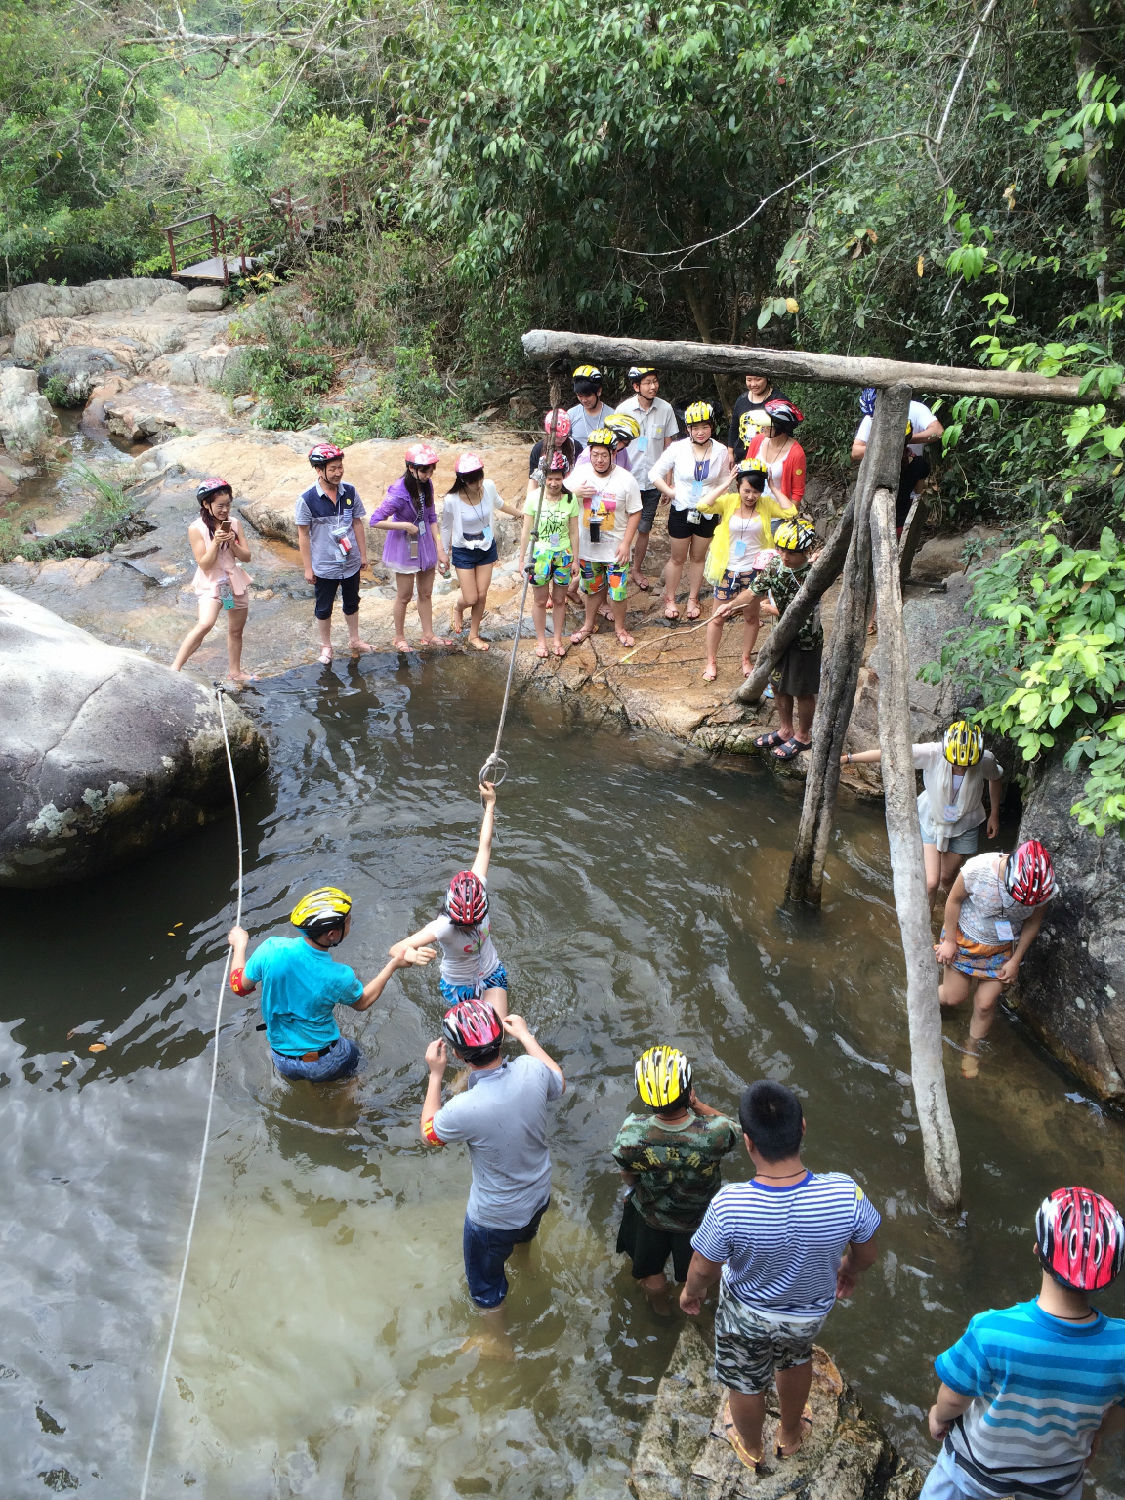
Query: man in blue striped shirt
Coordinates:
[783,1246]
[1028,1392]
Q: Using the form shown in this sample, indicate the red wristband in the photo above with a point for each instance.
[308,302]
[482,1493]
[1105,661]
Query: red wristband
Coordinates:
[238,982]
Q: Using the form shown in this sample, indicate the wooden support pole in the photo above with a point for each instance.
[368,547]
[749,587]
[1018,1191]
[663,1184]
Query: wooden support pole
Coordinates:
[879,470]
[823,573]
[911,538]
[543,345]
[927,1066]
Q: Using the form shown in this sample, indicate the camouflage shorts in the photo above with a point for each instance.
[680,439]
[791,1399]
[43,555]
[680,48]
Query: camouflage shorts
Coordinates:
[750,1345]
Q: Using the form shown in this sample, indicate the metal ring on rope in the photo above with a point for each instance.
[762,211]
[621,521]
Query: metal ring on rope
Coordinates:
[495,769]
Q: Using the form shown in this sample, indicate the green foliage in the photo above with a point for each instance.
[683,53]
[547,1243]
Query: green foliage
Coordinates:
[287,372]
[58,393]
[1049,658]
[111,518]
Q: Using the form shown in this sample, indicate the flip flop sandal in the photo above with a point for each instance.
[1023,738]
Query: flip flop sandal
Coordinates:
[692,612]
[671,612]
[790,748]
[644,587]
[751,1461]
[581,635]
[806,1425]
[625,639]
[768,741]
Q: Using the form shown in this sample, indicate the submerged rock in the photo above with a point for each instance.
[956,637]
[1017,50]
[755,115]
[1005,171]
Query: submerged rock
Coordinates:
[682,1454]
[103,754]
[1071,989]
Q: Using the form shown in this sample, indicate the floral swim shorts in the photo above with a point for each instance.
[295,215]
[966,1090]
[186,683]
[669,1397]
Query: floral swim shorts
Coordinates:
[612,576]
[549,565]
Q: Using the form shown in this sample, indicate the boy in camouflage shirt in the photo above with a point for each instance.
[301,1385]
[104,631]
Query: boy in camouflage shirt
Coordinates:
[669,1156]
[796,679]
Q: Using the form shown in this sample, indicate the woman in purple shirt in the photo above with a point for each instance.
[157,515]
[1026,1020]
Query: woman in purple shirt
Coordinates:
[413,547]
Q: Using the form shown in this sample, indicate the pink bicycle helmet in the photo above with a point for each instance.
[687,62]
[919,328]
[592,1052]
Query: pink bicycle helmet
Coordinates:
[558,419]
[421,456]
[472,1028]
[467,902]
[470,463]
[323,454]
[1080,1238]
[1029,875]
[559,464]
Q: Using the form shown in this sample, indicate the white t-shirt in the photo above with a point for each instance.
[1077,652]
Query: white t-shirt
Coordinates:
[953,798]
[582,424]
[467,953]
[464,524]
[658,425]
[920,418]
[746,541]
[699,474]
[616,497]
[988,903]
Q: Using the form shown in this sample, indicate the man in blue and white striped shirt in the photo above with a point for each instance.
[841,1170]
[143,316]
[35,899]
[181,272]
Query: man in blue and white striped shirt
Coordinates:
[785,1245]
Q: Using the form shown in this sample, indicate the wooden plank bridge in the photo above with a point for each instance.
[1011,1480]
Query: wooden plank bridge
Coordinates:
[206,250]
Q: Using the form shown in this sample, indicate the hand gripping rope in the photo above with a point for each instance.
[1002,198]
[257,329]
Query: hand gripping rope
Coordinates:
[206,1123]
[495,767]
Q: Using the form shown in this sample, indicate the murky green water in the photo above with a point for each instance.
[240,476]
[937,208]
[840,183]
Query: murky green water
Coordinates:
[320,1351]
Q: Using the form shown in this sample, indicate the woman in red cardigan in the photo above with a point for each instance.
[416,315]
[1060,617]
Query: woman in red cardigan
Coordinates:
[781,452]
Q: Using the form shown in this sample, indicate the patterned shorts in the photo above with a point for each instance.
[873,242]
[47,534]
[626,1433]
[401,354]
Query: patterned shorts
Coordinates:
[453,994]
[978,960]
[751,1345]
[731,585]
[549,566]
[613,575]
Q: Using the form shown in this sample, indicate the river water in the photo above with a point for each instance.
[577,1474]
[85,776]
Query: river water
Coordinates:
[320,1350]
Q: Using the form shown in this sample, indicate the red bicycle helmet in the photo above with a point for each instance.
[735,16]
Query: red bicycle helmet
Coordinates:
[1029,876]
[214,486]
[472,1028]
[323,454]
[780,410]
[558,419]
[1080,1238]
[559,463]
[467,902]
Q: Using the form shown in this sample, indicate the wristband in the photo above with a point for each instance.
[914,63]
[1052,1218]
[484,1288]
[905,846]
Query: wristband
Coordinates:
[238,982]
[430,1133]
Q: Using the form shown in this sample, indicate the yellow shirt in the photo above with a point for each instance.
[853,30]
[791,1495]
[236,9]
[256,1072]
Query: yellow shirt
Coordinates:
[718,553]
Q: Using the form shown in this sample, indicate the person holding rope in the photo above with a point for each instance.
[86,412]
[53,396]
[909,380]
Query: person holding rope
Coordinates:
[470,966]
[302,984]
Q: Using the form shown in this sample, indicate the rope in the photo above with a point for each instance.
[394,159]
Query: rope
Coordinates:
[663,636]
[206,1122]
[495,767]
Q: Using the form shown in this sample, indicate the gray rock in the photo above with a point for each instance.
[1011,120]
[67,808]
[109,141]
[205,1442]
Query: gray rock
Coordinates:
[207,298]
[38,300]
[81,369]
[29,427]
[1071,988]
[103,753]
[241,405]
[682,1454]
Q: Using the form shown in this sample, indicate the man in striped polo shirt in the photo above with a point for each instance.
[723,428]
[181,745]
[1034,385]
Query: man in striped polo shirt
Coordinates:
[783,1246]
[1028,1392]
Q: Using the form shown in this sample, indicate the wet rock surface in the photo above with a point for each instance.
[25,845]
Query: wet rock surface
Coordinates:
[102,753]
[683,1455]
[29,428]
[1072,982]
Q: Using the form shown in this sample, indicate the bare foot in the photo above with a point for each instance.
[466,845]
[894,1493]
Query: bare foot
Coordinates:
[358,647]
[325,656]
[541,650]
[479,644]
[710,672]
[747,666]
[456,624]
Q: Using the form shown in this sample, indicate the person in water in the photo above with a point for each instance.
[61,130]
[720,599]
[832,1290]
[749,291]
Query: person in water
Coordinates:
[669,1156]
[502,1118]
[1028,1392]
[470,966]
[302,984]
[220,584]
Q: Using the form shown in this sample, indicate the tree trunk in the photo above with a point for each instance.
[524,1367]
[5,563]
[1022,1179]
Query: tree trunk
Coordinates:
[880,468]
[822,575]
[927,1066]
[543,345]
[911,536]
[1083,30]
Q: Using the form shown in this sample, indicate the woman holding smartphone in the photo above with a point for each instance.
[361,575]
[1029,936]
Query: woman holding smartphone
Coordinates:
[220,584]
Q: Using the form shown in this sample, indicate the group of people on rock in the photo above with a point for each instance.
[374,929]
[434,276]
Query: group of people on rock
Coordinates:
[1025,1395]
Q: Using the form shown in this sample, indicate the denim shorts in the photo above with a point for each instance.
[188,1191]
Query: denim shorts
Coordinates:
[452,994]
[473,557]
[650,504]
[486,1249]
[965,843]
[340,1061]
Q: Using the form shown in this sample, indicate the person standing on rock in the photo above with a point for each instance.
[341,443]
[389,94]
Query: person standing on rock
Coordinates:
[749,415]
[694,469]
[413,548]
[950,806]
[220,548]
[302,984]
[796,681]
[611,513]
[551,560]
[783,1247]
[333,547]
[1029,1392]
[669,1158]
[468,518]
[659,428]
[589,411]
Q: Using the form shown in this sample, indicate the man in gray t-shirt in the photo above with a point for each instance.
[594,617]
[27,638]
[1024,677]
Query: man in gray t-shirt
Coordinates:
[502,1118]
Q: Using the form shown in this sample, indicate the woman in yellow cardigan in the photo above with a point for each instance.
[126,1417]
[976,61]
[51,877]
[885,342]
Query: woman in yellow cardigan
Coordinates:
[744,533]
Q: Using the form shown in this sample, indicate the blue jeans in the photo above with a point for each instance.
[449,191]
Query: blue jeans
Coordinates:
[486,1249]
[340,1061]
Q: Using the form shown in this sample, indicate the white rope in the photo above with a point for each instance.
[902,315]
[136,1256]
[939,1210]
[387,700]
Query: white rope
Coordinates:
[206,1122]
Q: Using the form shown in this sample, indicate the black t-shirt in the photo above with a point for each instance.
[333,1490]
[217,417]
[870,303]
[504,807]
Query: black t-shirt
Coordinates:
[744,404]
[570,447]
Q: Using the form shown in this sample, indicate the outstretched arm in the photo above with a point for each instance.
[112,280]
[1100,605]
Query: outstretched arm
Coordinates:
[516,1026]
[436,1059]
[410,957]
[420,940]
[484,848]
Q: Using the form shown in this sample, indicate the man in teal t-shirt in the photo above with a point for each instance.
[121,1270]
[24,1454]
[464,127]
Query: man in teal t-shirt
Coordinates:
[302,984]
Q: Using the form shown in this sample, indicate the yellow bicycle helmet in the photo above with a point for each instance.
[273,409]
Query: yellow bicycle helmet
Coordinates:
[700,411]
[663,1076]
[794,536]
[587,372]
[601,437]
[962,743]
[623,426]
[321,910]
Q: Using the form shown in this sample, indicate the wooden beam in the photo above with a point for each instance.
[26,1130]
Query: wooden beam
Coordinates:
[879,471]
[927,1065]
[544,345]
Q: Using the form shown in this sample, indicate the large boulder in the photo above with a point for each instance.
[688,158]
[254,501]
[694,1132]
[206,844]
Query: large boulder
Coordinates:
[79,368]
[29,427]
[1071,990]
[38,300]
[103,753]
